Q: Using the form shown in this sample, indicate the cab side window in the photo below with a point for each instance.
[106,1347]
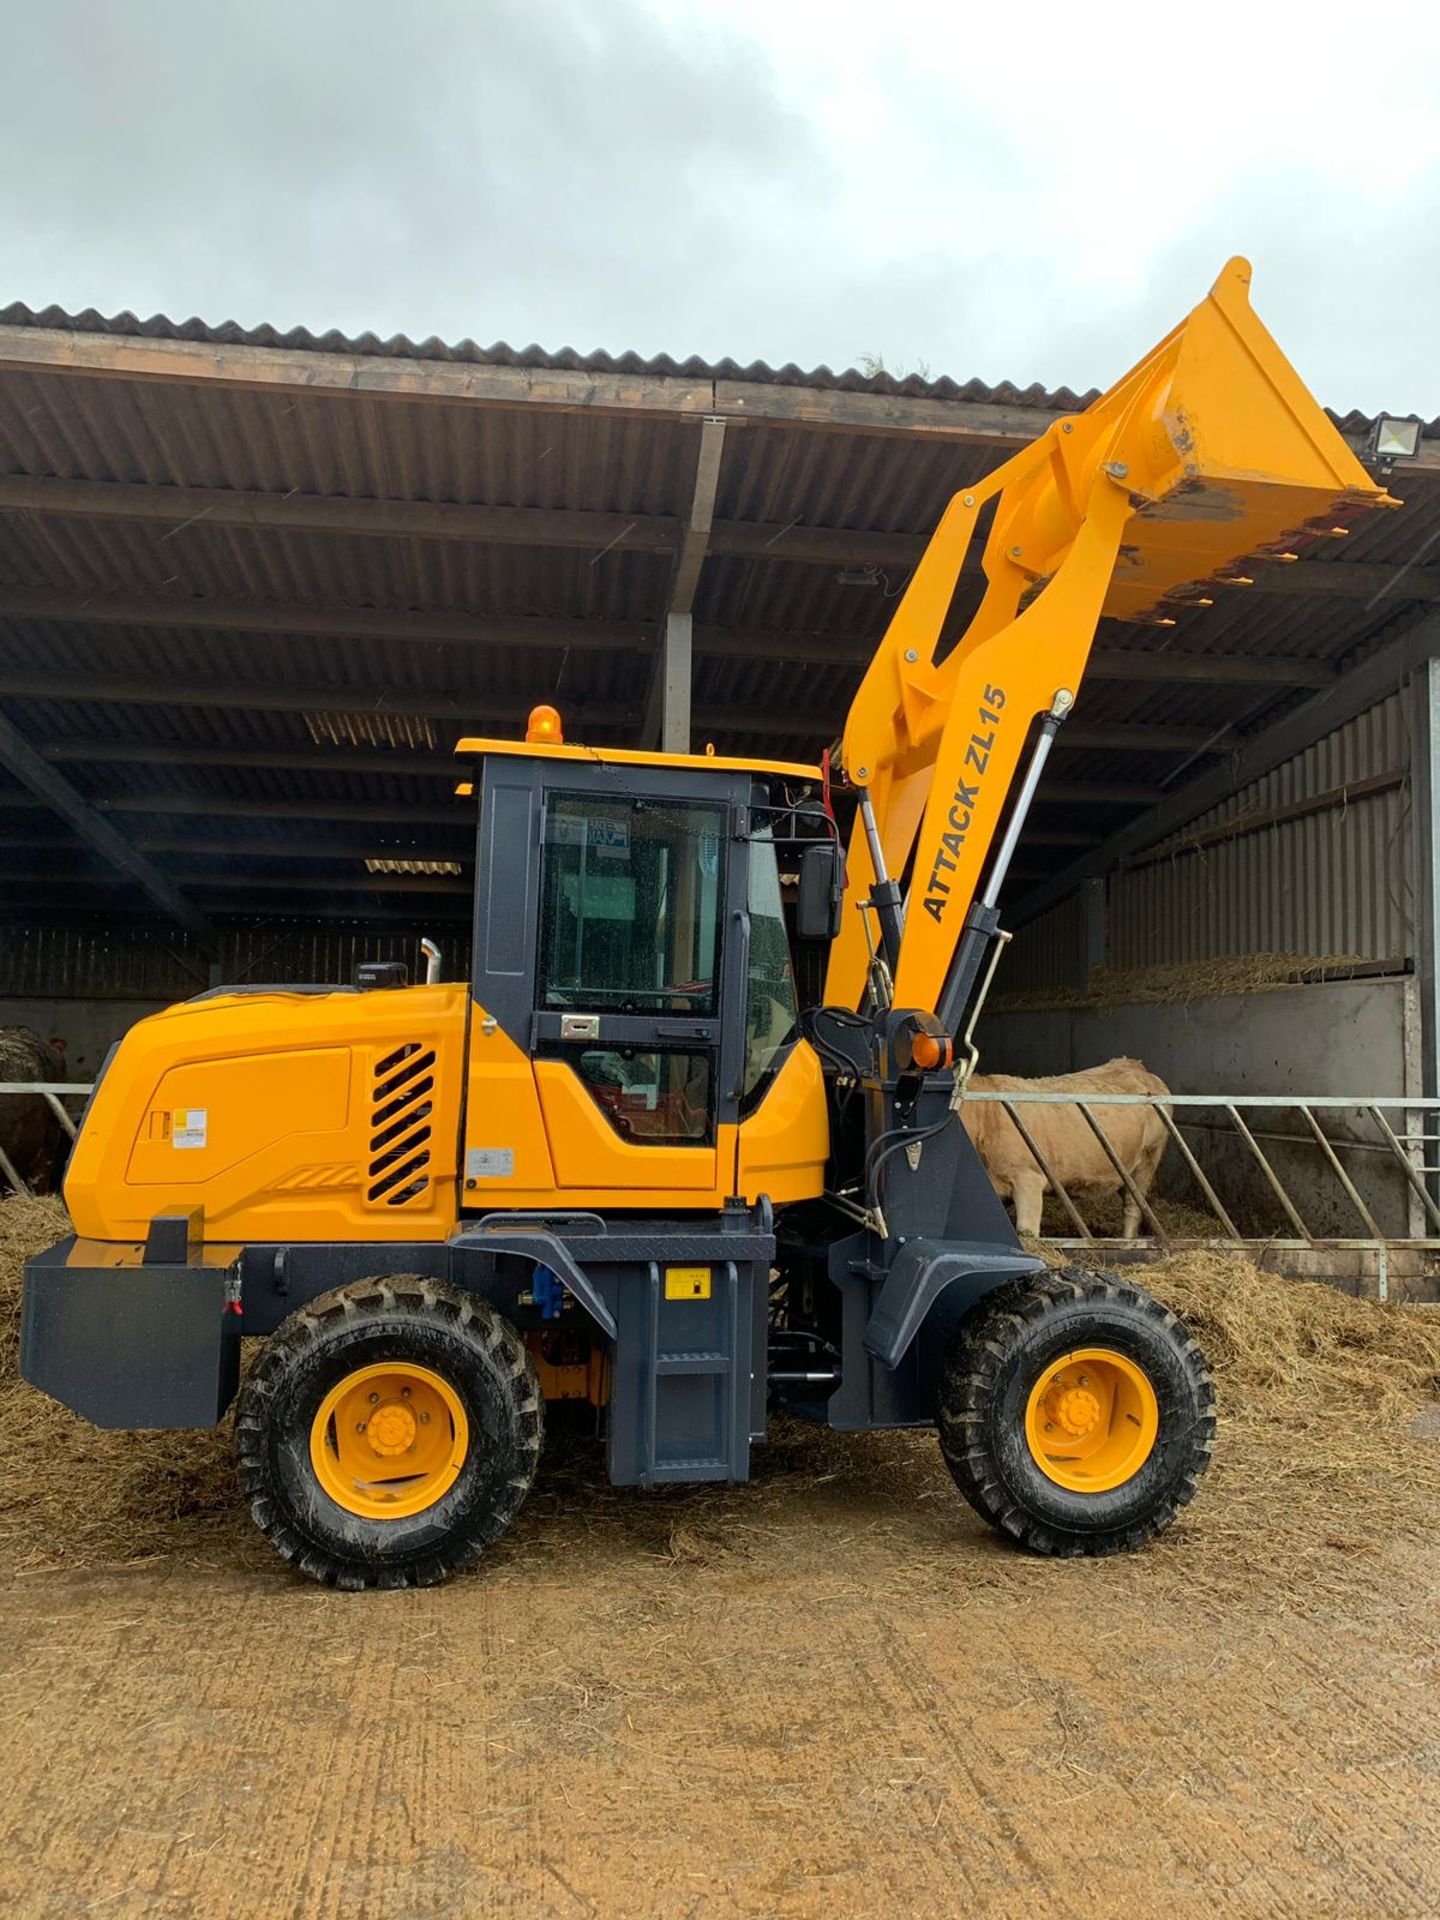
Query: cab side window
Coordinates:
[632,907]
[771,1008]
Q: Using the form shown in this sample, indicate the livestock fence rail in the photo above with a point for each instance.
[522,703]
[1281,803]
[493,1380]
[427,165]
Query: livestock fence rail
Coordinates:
[1257,1172]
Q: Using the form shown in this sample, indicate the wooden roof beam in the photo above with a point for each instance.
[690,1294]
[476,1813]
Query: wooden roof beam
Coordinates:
[667,702]
[681,395]
[399,761]
[211,807]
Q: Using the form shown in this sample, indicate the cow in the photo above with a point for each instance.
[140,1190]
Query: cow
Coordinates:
[31,1137]
[1077,1159]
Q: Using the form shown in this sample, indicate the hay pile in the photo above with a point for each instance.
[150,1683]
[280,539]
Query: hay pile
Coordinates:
[1298,1351]
[1104,1214]
[1177,985]
[75,1496]
[1319,1396]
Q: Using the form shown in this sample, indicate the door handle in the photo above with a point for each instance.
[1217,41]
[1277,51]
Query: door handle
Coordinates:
[579,1026]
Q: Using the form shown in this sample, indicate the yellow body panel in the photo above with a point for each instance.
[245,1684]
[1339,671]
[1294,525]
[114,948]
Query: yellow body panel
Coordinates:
[588,1152]
[535,1138]
[785,1143]
[283,1098]
[1207,453]
[280,1115]
[502,1113]
[563,1151]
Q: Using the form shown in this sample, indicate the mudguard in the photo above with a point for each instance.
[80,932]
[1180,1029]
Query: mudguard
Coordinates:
[924,1270]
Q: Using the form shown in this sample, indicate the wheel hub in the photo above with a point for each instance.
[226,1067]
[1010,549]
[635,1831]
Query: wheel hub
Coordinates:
[1074,1411]
[392,1429]
[388,1441]
[1092,1420]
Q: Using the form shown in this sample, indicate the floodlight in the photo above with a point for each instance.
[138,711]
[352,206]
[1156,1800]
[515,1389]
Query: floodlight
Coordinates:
[1392,439]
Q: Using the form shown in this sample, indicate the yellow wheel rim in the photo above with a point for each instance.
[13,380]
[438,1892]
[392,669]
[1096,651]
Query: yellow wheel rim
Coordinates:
[389,1440]
[1092,1420]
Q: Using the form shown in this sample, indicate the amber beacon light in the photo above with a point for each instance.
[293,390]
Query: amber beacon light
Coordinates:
[543,728]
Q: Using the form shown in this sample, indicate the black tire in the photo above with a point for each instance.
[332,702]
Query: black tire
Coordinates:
[410,1320]
[1000,1352]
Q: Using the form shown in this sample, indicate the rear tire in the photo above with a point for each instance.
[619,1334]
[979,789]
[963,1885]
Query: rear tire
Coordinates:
[1076,1412]
[446,1387]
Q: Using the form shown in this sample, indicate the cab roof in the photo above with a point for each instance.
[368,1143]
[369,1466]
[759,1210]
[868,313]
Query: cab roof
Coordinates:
[472,748]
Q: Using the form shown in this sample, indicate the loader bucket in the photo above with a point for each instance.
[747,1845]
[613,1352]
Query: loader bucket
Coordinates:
[1224,452]
[1209,453]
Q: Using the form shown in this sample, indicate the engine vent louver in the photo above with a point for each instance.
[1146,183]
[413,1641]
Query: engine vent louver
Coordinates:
[400,1109]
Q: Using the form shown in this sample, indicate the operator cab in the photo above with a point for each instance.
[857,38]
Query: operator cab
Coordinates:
[631,948]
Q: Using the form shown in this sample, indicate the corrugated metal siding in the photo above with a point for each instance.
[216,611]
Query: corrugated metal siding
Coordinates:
[1337,882]
[1050,952]
[71,963]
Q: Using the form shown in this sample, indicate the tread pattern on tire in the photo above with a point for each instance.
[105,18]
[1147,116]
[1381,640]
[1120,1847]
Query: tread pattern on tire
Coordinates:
[399,1295]
[971,1380]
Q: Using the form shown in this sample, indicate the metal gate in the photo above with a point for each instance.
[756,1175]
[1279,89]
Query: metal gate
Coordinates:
[1258,1172]
[53,1092]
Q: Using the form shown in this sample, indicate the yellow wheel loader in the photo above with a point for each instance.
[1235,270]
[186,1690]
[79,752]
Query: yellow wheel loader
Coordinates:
[623,1165]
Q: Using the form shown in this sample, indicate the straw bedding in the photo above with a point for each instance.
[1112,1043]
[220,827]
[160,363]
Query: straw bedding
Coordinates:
[1177,985]
[1325,1400]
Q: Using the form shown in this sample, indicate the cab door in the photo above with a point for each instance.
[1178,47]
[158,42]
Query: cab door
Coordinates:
[628,990]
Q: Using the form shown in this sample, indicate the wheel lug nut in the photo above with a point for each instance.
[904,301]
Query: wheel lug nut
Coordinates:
[373,1398]
[404,1393]
[1049,1426]
[1084,1380]
[359,1426]
[424,1419]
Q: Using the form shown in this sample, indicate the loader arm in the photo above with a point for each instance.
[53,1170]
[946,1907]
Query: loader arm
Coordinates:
[1209,451]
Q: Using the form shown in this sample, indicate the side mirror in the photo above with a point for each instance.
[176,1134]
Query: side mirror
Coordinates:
[822,892]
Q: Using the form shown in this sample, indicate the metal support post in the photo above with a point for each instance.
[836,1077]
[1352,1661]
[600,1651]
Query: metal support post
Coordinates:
[673,684]
[1093,929]
[1425,861]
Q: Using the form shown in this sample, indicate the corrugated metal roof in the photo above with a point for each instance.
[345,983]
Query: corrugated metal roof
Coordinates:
[211,702]
[400,346]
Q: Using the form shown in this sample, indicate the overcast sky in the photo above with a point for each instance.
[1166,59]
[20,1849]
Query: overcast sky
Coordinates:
[1025,191]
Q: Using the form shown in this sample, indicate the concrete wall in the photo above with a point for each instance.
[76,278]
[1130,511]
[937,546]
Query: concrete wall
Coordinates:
[89,1028]
[1357,1038]
[1336,1036]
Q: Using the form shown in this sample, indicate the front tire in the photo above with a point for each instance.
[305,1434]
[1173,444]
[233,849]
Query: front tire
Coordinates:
[1076,1413]
[388,1433]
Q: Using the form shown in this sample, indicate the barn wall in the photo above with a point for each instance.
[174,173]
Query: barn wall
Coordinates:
[87,986]
[165,964]
[1332,882]
[1050,952]
[1353,1038]
[1336,1036]
[1336,881]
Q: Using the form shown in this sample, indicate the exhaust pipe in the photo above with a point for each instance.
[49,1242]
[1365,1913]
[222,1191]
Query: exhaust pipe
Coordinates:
[432,960]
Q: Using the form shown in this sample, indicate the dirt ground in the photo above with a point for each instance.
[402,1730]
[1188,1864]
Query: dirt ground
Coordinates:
[831,1692]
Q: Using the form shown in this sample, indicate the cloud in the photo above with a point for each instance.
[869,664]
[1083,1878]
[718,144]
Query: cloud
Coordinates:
[1033,197]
